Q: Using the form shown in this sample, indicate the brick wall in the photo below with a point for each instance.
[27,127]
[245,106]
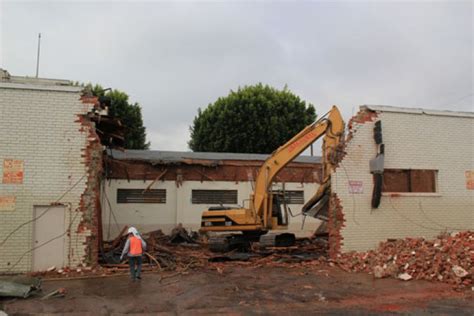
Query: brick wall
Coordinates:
[41,125]
[413,140]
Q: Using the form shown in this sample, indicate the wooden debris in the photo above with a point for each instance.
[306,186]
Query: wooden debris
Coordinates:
[61,292]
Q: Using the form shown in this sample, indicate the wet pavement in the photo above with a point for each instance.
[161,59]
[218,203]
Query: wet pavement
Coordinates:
[241,290]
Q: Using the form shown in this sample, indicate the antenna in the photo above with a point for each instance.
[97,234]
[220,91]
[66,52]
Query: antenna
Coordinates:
[38,56]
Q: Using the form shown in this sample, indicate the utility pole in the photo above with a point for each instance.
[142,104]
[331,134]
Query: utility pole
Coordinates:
[38,56]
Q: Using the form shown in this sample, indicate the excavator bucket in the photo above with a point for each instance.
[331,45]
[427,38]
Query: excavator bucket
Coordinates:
[317,206]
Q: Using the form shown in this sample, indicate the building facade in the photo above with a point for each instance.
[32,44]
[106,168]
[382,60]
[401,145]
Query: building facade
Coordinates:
[50,157]
[427,183]
[158,190]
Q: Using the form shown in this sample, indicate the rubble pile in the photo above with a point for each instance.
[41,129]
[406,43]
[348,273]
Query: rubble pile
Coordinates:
[449,258]
[178,251]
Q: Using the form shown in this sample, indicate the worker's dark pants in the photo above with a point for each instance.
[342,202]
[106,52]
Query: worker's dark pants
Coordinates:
[135,266]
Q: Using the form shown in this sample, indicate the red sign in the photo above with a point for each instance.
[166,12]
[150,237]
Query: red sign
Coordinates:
[12,171]
[356,187]
[7,203]
[470,180]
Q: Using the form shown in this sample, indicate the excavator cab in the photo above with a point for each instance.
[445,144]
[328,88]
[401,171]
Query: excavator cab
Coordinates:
[279,209]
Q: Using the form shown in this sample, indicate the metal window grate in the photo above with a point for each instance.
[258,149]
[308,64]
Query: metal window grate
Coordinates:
[293,197]
[138,196]
[214,197]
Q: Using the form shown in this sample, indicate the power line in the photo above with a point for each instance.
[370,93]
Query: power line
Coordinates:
[434,222]
[45,243]
[352,195]
[454,103]
[39,216]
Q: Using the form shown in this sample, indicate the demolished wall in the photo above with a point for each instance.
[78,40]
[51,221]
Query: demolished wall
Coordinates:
[414,139]
[178,179]
[45,132]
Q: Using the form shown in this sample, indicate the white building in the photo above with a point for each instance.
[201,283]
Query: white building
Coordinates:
[428,177]
[158,190]
[50,158]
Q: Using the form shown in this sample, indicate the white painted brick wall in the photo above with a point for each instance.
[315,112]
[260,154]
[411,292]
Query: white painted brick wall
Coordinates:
[39,127]
[411,141]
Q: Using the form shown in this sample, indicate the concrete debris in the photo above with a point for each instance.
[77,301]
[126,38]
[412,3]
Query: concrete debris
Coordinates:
[378,272]
[405,276]
[449,258]
[460,272]
[321,297]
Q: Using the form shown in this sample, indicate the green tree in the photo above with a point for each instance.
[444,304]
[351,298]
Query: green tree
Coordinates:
[129,113]
[253,119]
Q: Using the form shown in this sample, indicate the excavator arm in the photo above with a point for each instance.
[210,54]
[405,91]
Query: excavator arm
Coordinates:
[330,125]
[265,212]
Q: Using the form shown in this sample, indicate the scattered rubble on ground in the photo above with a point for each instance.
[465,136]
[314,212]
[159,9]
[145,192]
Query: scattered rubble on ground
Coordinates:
[449,258]
[61,292]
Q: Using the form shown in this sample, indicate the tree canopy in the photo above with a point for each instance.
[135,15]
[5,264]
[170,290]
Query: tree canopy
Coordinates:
[253,119]
[129,113]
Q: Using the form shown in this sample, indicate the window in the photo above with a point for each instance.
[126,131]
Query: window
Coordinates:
[214,197]
[293,197]
[139,196]
[409,180]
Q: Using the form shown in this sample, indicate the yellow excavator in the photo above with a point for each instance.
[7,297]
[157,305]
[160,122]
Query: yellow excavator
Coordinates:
[267,210]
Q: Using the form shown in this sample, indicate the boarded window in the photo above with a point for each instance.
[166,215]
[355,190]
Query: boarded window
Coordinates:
[214,197]
[139,196]
[293,197]
[408,180]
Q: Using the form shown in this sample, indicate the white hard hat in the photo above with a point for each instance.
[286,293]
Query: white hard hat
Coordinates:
[132,230]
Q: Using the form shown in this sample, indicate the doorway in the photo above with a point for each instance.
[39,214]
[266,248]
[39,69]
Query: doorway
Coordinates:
[49,237]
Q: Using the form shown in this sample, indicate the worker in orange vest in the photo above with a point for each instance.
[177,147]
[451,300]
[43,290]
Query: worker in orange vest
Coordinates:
[134,249]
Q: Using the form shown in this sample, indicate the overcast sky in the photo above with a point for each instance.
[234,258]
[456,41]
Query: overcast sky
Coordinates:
[174,57]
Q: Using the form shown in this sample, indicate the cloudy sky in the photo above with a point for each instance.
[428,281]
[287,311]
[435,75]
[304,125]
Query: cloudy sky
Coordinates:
[174,57]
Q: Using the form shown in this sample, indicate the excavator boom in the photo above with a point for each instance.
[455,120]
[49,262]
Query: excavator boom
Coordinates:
[265,212]
[331,126]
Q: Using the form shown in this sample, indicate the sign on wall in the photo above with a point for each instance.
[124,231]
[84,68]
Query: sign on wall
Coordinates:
[470,180]
[356,187]
[12,171]
[7,203]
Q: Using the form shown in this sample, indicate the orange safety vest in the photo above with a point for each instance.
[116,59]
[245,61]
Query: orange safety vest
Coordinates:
[135,246]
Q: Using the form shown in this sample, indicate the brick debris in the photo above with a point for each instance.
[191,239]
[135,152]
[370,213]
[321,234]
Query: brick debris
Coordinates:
[448,258]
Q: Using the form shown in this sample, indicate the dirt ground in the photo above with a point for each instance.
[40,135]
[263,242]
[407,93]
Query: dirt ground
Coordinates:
[246,290]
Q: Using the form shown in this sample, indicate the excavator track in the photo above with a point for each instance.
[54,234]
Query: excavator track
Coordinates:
[225,243]
[277,240]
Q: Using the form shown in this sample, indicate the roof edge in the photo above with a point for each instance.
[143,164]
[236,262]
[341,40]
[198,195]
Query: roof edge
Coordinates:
[29,86]
[396,109]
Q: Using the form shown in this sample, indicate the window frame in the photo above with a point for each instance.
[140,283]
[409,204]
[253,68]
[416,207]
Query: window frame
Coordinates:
[288,199]
[411,182]
[207,199]
[152,196]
